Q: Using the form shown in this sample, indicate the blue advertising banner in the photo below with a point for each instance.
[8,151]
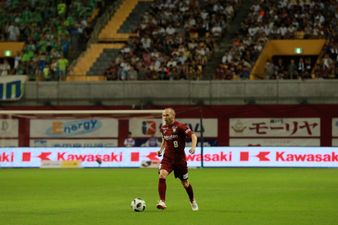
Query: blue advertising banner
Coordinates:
[12,87]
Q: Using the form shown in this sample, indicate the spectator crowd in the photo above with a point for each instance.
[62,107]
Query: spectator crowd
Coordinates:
[285,19]
[174,40]
[46,28]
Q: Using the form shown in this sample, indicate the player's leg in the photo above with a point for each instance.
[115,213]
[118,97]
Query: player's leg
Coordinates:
[181,171]
[188,188]
[162,185]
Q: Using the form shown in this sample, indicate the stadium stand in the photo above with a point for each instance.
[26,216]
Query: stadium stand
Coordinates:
[287,19]
[168,40]
[85,62]
[167,43]
[111,31]
[327,63]
[53,32]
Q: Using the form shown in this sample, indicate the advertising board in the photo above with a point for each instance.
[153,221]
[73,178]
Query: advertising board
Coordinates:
[140,157]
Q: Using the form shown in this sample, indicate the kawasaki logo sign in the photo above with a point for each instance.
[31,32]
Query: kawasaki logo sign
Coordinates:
[212,156]
[11,87]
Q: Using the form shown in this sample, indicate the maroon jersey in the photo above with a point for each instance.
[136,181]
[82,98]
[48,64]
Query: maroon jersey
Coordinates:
[174,136]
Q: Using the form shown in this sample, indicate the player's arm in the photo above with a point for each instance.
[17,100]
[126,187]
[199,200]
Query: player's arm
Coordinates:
[193,143]
[159,152]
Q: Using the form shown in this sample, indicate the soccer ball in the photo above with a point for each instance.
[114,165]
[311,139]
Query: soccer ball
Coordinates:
[138,205]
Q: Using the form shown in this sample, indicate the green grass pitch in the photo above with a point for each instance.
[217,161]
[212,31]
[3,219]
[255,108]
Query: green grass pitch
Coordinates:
[226,196]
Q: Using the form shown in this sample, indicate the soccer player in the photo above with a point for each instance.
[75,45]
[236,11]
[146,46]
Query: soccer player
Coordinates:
[174,134]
